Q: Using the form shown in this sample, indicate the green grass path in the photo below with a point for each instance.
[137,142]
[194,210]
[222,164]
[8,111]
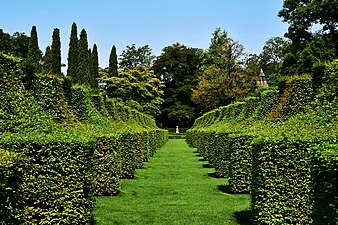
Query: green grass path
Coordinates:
[174,187]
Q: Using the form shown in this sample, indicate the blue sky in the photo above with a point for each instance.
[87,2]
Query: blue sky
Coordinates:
[157,23]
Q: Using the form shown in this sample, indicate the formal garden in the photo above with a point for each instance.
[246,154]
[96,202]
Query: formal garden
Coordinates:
[191,136]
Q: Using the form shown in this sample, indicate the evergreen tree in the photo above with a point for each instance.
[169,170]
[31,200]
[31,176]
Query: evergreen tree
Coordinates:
[73,52]
[56,52]
[83,66]
[95,67]
[47,61]
[112,71]
[34,53]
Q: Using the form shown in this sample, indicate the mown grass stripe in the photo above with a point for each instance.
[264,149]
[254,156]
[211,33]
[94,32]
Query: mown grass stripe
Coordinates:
[175,187]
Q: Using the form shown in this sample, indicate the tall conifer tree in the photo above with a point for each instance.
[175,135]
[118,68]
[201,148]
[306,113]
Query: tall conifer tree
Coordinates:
[47,61]
[112,70]
[56,52]
[83,66]
[95,66]
[73,52]
[34,53]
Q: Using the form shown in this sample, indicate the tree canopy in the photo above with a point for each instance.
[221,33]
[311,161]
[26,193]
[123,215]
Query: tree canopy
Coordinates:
[133,57]
[177,67]
[138,87]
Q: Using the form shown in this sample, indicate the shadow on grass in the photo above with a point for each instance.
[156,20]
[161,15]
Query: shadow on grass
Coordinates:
[202,159]
[207,166]
[243,217]
[214,175]
[225,189]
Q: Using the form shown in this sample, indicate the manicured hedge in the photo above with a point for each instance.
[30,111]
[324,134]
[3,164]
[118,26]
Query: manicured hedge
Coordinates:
[240,162]
[268,100]
[222,154]
[296,97]
[127,151]
[11,194]
[281,188]
[58,178]
[48,92]
[324,173]
[108,165]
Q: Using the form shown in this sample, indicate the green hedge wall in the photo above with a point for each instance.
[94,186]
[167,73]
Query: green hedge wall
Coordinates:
[324,173]
[268,100]
[108,165]
[127,151]
[240,162]
[281,189]
[48,92]
[11,194]
[222,154]
[58,178]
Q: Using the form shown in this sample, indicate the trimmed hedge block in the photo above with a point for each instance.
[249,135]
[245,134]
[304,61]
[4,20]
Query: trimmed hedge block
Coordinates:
[11,195]
[108,165]
[222,154]
[240,165]
[324,173]
[282,187]
[58,178]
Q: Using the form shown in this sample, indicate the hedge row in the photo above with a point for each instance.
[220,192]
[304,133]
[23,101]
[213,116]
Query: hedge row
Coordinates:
[287,162]
[64,146]
[11,194]
[57,181]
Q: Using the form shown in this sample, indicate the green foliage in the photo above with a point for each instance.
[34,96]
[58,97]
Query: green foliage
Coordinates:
[48,92]
[73,53]
[222,80]
[113,66]
[82,75]
[11,206]
[177,67]
[328,91]
[94,69]
[324,172]
[139,85]
[56,52]
[109,170]
[16,44]
[268,100]
[82,103]
[133,57]
[281,174]
[313,34]
[288,163]
[295,98]
[240,162]
[34,54]
[58,177]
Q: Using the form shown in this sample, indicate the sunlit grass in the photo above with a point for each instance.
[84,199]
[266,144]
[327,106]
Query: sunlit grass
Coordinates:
[175,187]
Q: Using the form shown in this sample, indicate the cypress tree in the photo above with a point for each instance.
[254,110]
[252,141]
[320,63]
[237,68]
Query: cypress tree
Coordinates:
[112,70]
[83,66]
[56,52]
[34,53]
[47,61]
[95,66]
[73,52]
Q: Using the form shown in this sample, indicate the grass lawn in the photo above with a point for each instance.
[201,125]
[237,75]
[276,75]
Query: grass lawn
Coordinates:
[175,187]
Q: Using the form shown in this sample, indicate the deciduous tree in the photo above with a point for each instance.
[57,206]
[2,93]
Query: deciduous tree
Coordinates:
[133,57]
